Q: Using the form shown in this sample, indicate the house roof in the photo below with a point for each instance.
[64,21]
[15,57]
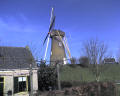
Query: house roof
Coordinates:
[109,60]
[16,58]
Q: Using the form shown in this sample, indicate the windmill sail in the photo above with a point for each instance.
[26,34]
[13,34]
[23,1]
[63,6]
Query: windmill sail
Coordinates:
[52,24]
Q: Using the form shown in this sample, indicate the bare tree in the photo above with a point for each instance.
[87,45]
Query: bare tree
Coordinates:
[34,49]
[118,60]
[73,60]
[95,51]
[84,61]
[118,56]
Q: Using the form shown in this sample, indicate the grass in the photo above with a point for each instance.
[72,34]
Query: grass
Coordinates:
[109,72]
[118,90]
[75,75]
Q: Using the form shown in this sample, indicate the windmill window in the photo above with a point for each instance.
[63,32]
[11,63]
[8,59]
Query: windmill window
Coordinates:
[60,44]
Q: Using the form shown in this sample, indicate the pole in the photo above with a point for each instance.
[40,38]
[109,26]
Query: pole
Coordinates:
[13,85]
[58,76]
[31,80]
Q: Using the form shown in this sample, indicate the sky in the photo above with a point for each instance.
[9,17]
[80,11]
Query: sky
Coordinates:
[26,22]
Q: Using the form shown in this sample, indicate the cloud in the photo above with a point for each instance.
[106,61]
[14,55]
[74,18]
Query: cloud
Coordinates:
[23,17]
[2,23]
[12,24]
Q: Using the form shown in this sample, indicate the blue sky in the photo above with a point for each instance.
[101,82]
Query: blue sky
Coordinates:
[26,22]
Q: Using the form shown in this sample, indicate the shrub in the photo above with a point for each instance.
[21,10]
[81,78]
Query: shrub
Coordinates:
[84,61]
[66,84]
[47,77]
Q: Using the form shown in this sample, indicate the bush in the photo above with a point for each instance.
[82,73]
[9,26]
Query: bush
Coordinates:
[47,77]
[73,60]
[65,84]
[84,61]
[73,65]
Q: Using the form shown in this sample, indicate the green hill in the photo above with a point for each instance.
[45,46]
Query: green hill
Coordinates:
[109,72]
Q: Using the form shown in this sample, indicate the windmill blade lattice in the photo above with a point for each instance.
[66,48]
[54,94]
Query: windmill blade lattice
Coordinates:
[52,24]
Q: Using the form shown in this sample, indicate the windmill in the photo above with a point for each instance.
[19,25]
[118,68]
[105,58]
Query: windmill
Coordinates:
[59,45]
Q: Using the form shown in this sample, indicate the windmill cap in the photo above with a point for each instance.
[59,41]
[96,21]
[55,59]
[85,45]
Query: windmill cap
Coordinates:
[57,33]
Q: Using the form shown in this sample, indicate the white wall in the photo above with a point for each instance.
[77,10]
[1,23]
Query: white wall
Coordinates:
[35,80]
[8,80]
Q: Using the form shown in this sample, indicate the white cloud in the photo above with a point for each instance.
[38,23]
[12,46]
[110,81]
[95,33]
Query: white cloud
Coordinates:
[22,16]
[13,25]
[2,23]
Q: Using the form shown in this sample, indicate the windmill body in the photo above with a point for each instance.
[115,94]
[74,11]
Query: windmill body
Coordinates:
[57,47]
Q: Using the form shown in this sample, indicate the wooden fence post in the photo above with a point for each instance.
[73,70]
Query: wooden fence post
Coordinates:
[58,76]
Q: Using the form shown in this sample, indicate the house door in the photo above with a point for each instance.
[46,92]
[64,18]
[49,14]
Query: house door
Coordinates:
[1,86]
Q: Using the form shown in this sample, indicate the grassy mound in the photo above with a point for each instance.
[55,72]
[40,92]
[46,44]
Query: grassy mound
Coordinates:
[109,72]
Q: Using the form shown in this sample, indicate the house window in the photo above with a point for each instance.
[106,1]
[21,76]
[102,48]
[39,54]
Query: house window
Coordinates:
[20,84]
[1,79]
[1,86]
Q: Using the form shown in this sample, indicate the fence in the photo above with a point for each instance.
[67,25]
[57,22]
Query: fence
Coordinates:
[117,89]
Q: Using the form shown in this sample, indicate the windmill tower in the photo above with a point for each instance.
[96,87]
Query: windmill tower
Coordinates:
[58,45]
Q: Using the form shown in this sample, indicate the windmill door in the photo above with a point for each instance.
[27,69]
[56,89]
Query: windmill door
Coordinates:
[1,86]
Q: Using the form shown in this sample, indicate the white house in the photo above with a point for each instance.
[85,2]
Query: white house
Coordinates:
[15,66]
